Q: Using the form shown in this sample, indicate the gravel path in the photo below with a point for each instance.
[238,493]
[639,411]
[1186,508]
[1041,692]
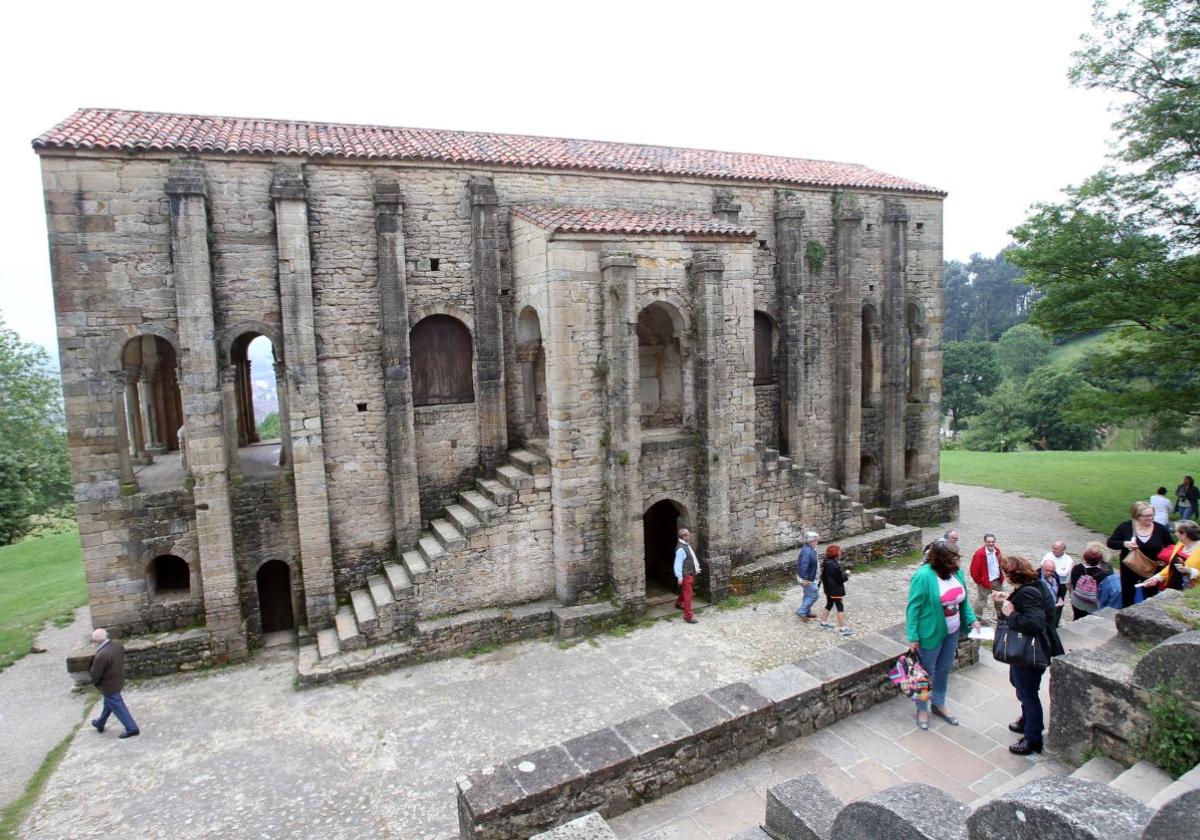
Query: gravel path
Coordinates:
[37,708]
[239,752]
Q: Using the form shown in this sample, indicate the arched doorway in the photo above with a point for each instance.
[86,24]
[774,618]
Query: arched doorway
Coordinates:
[660,533]
[274,580]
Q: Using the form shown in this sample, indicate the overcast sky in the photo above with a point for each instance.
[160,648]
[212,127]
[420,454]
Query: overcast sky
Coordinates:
[968,96]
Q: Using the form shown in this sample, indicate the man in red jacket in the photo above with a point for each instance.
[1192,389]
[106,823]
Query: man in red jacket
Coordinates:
[987,574]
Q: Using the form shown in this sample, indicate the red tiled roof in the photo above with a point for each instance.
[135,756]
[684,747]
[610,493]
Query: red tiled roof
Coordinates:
[594,220]
[132,131]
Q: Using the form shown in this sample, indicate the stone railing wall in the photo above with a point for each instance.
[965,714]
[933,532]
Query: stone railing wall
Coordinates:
[1101,697]
[927,512]
[150,656]
[620,767]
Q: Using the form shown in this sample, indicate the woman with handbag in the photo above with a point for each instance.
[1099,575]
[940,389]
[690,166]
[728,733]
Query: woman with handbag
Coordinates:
[1027,641]
[937,607]
[1182,560]
[1139,540]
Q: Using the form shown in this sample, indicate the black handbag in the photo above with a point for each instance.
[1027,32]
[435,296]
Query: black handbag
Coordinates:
[1021,649]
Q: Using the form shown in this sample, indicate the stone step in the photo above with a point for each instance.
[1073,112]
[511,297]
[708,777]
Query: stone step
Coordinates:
[785,463]
[530,462]
[1143,781]
[347,629]
[515,478]
[415,565]
[447,534]
[462,518]
[431,549]
[398,580]
[364,607]
[327,642]
[307,657]
[478,504]
[1101,769]
[497,492]
[381,596]
[1042,769]
[1188,781]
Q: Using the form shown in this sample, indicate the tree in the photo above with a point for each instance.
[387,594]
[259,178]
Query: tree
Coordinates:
[1001,426]
[268,429]
[34,476]
[983,297]
[1047,401]
[1022,349]
[1121,252]
[970,372]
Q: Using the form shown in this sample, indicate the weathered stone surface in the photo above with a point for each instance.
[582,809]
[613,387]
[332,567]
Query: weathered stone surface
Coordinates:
[1152,620]
[905,812]
[1060,809]
[1175,820]
[802,809]
[1175,661]
[587,827]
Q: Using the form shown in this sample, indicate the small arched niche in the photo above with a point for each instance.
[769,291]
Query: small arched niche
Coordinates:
[764,349]
[531,356]
[168,576]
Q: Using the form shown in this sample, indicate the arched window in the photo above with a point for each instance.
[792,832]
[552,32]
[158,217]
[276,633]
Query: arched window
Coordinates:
[764,349]
[658,327]
[440,347]
[153,403]
[532,357]
[253,358]
[871,355]
[914,352]
[170,575]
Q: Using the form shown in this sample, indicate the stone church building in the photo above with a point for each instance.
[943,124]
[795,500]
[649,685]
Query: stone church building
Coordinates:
[507,367]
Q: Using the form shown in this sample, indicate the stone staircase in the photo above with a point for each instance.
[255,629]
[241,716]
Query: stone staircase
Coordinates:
[385,609]
[1099,799]
[843,509]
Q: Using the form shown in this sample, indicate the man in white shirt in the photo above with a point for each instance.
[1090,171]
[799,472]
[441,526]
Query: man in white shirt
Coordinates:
[687,566]
[1162,506]
[1062,561]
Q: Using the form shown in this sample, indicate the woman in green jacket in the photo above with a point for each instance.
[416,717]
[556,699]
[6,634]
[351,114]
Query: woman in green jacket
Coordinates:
[937,606]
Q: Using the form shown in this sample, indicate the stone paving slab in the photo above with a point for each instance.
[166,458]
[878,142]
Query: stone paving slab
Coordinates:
[238,752]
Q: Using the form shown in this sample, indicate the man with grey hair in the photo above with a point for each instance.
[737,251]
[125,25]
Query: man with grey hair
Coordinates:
[1062,561]
[807,569]
[951,537]
[687,566]
[108,675]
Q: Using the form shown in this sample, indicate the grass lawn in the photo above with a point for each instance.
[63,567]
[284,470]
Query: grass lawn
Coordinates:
[40,579]
[1096,488]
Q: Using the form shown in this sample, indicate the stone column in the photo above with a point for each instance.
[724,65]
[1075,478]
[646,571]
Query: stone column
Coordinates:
[133,412]
[397,366]
[303,393]
[207,456]
[623,461]
[789,274]
[229,398]
[725,208]
[849,351]
[893,319]
[713,455]
[151,401]
[281,392]
[489,335]
[120,414]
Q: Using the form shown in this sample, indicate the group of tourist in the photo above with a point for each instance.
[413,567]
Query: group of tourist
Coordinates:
[1013,591]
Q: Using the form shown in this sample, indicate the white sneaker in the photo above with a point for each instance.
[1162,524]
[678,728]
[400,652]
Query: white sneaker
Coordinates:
[826,625]
[845,631]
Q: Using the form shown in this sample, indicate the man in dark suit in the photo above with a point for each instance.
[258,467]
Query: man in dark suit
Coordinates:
[108,675]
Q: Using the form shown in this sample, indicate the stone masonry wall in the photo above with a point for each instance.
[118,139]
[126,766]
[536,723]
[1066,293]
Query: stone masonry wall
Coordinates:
[110,252]
[163,523]
[265,529]
[447,454]
[766,415]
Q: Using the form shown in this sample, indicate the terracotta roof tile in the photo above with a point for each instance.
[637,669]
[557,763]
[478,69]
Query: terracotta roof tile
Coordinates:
[132,131]
[597,220]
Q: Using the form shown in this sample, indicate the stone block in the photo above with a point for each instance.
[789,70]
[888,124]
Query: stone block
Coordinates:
[602,754]
[588,827]
[544,773]
[655,734]
[486,795]
[1060,809]
[1152,620]
[1174,661]
[912,811]
[1176,819]
[802,809]
[581,620]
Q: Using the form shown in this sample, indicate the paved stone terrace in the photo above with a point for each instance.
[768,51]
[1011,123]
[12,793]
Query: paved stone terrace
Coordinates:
[239,753]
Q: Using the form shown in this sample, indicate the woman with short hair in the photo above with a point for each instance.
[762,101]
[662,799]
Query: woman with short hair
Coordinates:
[937,606]
[1140,532]
[1182,560]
